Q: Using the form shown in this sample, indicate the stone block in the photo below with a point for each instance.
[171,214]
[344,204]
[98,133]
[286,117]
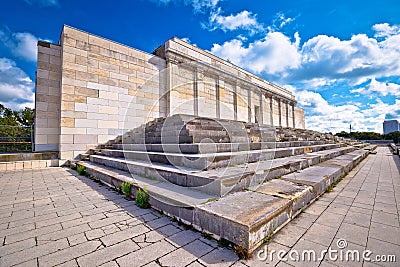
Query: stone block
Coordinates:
[66,138]
[74,51]
[85,123]
[108,95]
[99,41]
[108,109]
[75,34]
[108,81]
[67,122]
[107,124]
[67,106]
[118,76]
[98,86]
[27,165]
[108,67]
[73,130]
[85,139]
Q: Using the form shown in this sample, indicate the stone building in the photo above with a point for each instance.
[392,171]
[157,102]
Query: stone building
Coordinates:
[90,89]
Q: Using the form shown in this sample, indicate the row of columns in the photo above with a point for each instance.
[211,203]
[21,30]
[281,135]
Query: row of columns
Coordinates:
[283,104]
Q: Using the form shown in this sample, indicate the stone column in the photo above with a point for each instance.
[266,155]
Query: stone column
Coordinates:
[294,121]
[280,112]
[261,119]
[248,104]
[235,102]
[218,112]
[287,113]
[271,110]
[196,93]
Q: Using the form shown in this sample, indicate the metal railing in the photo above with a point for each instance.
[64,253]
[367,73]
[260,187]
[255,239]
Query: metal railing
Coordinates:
[16,139]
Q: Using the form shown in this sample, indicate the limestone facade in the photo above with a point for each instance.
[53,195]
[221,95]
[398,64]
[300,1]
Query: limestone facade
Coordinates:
[90,89]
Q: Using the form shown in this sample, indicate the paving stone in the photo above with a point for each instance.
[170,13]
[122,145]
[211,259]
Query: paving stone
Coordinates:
[168,230]
[301,246]
[289,235]
[71,263]
[195,264]
[385,218]
[353,233]
[124,235]
[379,247]
[33,233]
[94,234]
[385,208]
[17,246]
[108,221]
[330,219]
[219,257]
[315,209]
[76,239]
[64,232]
[186,254]
[110,264]
[183,238]
[147,254]
[359,219]
[69,253]
[33,252]
[319,233]
[107,254]
[385,232]
[153,236]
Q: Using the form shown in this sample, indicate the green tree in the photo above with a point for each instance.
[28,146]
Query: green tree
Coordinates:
[25,116]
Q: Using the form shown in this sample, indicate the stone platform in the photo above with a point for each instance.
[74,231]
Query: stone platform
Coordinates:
[54,216]
[232,179]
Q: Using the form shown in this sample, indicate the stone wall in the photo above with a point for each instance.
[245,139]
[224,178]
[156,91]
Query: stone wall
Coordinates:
[103,90]
[90,89]
[47,100]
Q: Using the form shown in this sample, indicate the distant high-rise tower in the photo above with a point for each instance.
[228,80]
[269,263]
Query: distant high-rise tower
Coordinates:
[391,126]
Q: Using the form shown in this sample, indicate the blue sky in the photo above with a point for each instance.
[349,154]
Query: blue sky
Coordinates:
[340,58]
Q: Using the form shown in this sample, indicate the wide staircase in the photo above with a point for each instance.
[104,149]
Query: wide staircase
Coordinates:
[238,181]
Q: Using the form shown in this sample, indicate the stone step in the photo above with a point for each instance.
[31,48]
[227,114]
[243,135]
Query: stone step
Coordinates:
[173,200]
[324,174]
[241,217]
[199,148]
[246,218]
[220,181]
[214,160]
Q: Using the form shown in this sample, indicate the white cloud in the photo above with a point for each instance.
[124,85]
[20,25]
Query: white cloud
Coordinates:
[197,5]
[276,53]
[243,20]
[281,21]
[21,44]
[325,117]
[384,30]
[381,88]
[321,59]
[16,88]
[43,2]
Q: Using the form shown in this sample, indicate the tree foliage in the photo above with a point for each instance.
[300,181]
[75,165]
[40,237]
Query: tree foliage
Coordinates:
[23,117]
[395,136]
[16,129]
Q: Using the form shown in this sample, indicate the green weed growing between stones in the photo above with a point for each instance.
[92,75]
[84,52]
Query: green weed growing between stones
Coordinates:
[81,170]
[126,188]
[142,198]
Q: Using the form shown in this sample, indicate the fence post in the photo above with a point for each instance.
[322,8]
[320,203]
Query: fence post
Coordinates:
[32,144]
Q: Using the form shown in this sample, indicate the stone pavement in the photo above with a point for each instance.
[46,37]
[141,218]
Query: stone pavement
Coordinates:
[53,216]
